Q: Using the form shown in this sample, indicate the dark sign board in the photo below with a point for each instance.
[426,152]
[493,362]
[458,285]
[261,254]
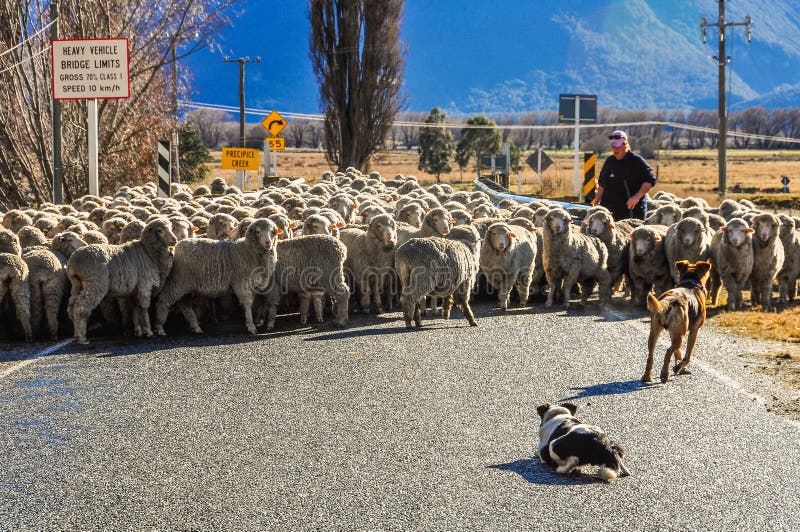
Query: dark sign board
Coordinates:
[566,108]
[533,161]
[499,161]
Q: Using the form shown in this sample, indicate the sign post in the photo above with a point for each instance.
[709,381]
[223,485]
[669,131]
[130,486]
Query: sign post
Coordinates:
[274,124]
[577,108]
[164,171]
[90,69]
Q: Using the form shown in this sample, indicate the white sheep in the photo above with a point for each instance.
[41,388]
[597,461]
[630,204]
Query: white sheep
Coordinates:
[686,240]
[787,276]
[213,268]
[370,259]
[134,270]
[731,261]
[647,263]
[507,259]
[768,258]
[571,257]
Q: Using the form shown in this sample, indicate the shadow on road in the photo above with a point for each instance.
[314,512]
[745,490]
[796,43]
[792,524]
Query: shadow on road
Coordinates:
[351,333]
[607,388]
[535,472]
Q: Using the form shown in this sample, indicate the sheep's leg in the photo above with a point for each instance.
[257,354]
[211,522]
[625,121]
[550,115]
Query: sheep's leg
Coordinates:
[245,297]
[504,294]
[189,315]
[36,305]
[569,282]
[418,312]
[447,306]
[364,294]
[716,283]
[316,300]
[377,292]
[142,305]
[766,296]
[604,288]
[273,298]
[53,293]
[305,304]
[409,305]
[463,300]
[20,293]
[552,287]
[732,287]
[83,303]
[523,289]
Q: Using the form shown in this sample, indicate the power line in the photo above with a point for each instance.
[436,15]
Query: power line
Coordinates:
[29,38]
[406,123]
[25,60]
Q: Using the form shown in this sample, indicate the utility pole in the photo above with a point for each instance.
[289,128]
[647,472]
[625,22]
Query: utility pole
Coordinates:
[242,138]
[58,167]
[722,60]
[176,178]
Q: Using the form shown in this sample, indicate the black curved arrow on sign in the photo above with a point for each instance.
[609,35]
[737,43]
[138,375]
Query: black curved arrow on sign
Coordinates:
[278,121]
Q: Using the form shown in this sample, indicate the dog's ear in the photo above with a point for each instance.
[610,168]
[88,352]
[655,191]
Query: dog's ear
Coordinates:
[542,409]
[682,266]
[702,267]
[571,407]
[617,448]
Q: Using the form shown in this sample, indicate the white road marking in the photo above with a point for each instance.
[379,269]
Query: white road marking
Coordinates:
[36,356]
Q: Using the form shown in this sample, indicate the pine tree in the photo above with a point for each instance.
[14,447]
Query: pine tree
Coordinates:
[193,155]
[435,146]
[475,141]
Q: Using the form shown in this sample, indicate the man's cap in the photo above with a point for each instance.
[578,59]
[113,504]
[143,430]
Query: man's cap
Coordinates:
[618,138]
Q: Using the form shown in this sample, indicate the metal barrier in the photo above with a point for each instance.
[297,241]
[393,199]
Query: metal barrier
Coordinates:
[497,193]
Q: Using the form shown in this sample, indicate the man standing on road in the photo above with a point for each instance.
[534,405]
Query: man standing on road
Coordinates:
[624,180]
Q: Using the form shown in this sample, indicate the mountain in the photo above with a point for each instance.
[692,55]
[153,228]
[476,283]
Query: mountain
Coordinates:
[471,56]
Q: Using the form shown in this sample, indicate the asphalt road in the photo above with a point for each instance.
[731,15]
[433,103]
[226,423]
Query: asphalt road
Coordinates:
[376,427]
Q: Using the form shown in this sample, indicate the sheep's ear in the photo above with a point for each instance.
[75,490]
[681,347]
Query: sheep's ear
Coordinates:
[511,235]
[611,226]
[630,235]
[195,229]
[332,227]
[723,229]
[427,210]
[586,222]
[340,225]
[452,220]
[17,217]
[532,229]
[657,238]
[293,225]
[278,231]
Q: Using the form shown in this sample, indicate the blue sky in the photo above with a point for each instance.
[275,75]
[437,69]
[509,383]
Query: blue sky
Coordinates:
[442,63]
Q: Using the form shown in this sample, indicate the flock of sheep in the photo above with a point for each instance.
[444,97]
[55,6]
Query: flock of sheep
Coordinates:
[360,241]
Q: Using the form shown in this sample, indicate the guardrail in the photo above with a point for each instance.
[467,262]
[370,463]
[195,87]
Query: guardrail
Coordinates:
[497,193]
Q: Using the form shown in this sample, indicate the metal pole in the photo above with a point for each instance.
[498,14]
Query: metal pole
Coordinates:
[58,168]
[576,188]
[176,178]
[242,139]
[91,118]
[721,111]
[539,170]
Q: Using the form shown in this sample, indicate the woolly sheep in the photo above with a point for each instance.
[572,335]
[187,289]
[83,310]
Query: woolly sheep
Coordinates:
[14,281]
[370,258]
[130,233]
[571,257]
[686,240]
[412,214]
[345,206]
[647,263]
[135,269]
[313,268]
[16,219]
[507,259]
[213,268]
[731,261]
[435,223]
[316,224]
[30,236]
[768,259]
[615,237]
[9,243]
[787,276]
[438,267]
[665,215]
[48,284]
[221,226]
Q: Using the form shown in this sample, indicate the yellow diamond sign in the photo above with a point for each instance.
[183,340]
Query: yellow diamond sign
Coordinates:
[274,123]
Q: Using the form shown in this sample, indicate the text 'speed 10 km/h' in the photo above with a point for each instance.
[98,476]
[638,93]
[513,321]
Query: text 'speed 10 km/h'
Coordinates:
[86,69]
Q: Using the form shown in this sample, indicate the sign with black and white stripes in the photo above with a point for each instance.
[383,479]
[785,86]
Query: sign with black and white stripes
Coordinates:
[164,168]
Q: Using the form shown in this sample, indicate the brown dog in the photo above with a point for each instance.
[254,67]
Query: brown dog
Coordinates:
[678,310]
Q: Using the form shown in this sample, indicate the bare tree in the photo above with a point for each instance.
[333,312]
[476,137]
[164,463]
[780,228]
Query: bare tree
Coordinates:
[128,128]
[210,125]
[359,64]
[296,131]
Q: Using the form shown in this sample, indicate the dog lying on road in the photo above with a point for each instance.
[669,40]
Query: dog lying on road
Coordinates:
[678,310]
[570,445]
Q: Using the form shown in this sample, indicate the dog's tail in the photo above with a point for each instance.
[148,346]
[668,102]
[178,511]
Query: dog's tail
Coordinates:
[654,305]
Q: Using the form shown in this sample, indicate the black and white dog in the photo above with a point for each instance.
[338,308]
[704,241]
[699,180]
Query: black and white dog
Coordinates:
[569,444]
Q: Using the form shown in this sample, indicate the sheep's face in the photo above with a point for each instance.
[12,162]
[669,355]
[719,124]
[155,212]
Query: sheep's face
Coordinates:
[224,227]
[163,233]
[499,237]
[787,225]
[263,233]
[414,217]
[439,220]
[483,211]
[598,225]
[385,231]
[70,242]
[737,232]
[461,217]
[344,206]
[689,231]
[766,227]
[9,243]
[111,228]
[643,242]
[668,216]
[317,225]
[558,221]
[182,230]
[539,217]
[7,220]
[369,214]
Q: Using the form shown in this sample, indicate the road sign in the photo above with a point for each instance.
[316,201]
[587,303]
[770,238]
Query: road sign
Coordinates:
[240,158]
[566,108]
[533,162]
[89,69]
[164,172]
[276,143]
[274,123]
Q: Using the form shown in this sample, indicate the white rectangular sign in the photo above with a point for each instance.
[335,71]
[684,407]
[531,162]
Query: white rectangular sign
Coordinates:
[87,69]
